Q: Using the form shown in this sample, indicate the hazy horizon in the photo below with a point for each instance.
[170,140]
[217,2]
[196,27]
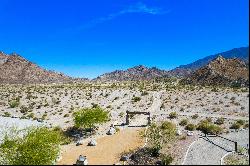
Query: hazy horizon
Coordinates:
[90,38]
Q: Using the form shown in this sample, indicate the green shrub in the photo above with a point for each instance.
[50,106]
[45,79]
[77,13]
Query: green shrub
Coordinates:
[31,115]
[235,126]
[209,128]
[166,159]
[220,121]
[161,134]
[135,99]
[246,126]
[66,115]
[183,122]
[6,114]
[195,116]
[88,117]
[190,127]
[241,122]
[144,93]
[14,103]
[39,146]
[173,115]
[24,109]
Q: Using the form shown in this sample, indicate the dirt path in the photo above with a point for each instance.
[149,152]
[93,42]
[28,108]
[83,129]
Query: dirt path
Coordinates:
[108,148]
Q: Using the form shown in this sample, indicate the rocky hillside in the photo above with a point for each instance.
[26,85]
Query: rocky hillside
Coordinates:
[241,53]
[221,71]
[14,69]
[136,73]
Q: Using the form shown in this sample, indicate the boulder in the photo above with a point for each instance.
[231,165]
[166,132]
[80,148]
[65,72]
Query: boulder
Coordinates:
[82,160]
[111,131]
[92,143]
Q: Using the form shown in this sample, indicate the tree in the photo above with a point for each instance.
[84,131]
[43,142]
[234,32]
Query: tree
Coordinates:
[88,117]
[38,146]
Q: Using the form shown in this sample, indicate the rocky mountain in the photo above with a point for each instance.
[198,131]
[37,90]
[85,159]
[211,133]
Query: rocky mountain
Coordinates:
[221,71]
[14,69]
[241,53]
[136,73]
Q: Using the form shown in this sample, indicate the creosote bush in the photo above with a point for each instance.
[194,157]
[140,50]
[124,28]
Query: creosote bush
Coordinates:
[38,146]
[89,117]
[190,127]
[209,128]
[173,115]
[159,135]
[183,122]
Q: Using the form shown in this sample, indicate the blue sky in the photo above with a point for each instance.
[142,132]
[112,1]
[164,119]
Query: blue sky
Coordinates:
[86,38]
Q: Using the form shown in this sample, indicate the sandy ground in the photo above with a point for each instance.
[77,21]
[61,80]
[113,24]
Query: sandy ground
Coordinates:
[108,148]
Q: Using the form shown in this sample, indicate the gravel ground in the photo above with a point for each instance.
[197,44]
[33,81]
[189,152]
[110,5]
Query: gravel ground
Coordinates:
[203,152]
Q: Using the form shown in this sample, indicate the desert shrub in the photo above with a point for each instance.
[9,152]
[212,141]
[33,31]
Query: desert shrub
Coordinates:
[195,116]
[144,93]
[220,121]
[88,117]
[14,103]
[166,159]
[39,146]
[183,122]
[241,122]
[190,127]
[209,119]
[24,109]
[209,128]
[121,114]
[159,135]
[235,126]
[94,105]
[135,99]
[7,114]
[31,115]
[173,115]
[66,115]
[246,126]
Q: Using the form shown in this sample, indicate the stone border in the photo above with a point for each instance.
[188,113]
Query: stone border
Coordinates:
[222,159]
[188,151]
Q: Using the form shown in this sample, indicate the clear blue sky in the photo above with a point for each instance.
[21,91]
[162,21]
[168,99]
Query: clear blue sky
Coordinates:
[87,38]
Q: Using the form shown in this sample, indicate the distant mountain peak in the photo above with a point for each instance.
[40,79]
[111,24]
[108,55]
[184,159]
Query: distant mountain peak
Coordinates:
[241,53]
[221,71]
[14,69]
[139,72]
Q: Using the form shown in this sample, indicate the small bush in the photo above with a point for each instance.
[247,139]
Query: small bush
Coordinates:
[183,122]
[24,109]
[14,103]
[136,99]
[209,128]
[6,114]
[166,159]
[195,116]
[173,115]
[235,126]
[220,121]
[241,122]
[190,127]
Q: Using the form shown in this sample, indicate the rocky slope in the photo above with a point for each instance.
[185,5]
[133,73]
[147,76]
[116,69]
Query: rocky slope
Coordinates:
[136,73]
[241,53]
[14,69]
[221,71]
